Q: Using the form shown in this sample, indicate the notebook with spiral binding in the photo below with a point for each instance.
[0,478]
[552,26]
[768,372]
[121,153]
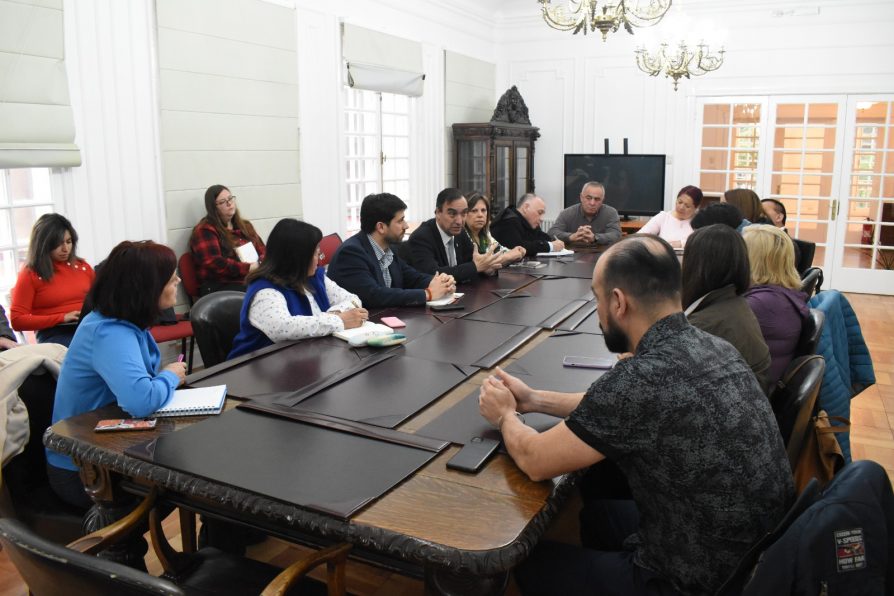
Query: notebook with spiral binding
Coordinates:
[200,401]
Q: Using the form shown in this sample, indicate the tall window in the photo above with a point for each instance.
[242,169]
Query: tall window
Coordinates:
[377,147]
[25,195]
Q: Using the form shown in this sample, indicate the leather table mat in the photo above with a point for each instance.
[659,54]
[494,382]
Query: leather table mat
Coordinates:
[585,320]
[471,343]
[337,472]
[541,368]
[463,421]
[571,288]
[388,393]
[486,291]
[565,267]
[523,309]
[287,369]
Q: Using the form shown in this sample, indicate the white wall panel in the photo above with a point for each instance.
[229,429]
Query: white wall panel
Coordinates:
[228,91]
[470,95]
[548,89]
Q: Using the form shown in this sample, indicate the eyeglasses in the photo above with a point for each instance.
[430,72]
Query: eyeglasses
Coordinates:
[226,202]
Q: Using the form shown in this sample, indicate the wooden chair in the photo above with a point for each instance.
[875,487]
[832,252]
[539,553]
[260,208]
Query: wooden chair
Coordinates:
[215,320]
[328,245]
[46,566]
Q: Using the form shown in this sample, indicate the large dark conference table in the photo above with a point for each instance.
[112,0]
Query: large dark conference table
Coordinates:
[323,443]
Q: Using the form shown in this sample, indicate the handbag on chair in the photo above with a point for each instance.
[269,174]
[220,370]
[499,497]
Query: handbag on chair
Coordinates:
[821,455]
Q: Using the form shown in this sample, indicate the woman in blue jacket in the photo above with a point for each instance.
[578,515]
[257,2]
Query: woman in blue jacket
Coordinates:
[112,357]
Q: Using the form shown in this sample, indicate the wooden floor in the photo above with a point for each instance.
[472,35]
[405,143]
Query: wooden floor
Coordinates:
[872,437]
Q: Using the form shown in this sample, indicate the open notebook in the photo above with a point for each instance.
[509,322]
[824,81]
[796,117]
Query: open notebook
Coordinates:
[195,402]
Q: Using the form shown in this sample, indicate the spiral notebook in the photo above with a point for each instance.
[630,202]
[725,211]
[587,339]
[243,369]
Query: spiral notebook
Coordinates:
[195,402]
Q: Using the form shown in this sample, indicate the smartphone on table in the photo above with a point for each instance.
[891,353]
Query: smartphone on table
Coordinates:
[589,362]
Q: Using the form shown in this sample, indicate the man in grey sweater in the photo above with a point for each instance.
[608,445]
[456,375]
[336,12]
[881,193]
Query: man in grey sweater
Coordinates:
[591,222]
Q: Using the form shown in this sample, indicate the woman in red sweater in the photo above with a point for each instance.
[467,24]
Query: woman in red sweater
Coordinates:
[51,287]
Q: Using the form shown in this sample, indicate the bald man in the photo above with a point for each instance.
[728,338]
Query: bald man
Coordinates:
[520,226]
[684,420]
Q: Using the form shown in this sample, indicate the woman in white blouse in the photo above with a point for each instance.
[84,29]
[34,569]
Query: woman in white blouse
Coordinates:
[289,296]
[675,226]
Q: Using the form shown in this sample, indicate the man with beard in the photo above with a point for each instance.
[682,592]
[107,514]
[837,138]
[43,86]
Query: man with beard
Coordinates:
[365,265]
[683,419]
[441,244]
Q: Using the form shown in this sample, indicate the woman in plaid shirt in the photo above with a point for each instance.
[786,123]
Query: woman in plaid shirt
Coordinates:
[214,241]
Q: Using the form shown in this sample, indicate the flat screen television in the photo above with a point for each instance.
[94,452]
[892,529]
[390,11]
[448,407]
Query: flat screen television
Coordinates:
[634,184]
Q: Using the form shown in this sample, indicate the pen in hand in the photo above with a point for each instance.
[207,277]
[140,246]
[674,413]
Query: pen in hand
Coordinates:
[180,358]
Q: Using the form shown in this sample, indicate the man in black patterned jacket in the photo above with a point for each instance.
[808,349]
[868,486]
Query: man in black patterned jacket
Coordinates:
[684,420]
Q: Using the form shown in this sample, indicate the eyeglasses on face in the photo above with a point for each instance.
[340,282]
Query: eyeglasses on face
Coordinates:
[226,202]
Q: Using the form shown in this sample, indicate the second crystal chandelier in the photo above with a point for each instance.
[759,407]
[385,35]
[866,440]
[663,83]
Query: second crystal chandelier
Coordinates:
[584,15]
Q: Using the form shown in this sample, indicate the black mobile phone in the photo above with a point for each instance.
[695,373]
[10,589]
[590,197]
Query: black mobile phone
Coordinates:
[588,362]
[473,455]
[451,306]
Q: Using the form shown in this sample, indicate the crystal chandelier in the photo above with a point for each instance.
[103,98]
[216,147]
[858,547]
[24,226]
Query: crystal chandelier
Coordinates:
[679,60]
[581,15]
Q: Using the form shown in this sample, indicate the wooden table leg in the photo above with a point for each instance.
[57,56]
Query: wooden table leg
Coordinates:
[442,582]
[111,504]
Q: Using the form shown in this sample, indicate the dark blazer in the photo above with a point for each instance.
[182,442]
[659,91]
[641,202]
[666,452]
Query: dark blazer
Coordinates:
[430,256]
[355,268]
[511,229]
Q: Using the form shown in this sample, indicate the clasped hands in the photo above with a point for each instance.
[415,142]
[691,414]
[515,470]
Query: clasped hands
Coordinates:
[441,285]
[583,235]
[502,395]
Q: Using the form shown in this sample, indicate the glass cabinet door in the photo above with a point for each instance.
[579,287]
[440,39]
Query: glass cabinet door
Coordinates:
[521,171]
[503,177]
[472,156]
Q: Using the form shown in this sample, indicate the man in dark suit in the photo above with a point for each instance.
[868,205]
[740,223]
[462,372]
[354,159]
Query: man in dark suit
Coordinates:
[520,226]
[365,265]
[441,244]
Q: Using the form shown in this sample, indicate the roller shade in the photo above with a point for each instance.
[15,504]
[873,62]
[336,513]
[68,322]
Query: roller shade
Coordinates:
[380,62]
[36,120]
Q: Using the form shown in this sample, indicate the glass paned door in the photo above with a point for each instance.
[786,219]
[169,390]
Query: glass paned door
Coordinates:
[730,145]
[803,168]
[865,227]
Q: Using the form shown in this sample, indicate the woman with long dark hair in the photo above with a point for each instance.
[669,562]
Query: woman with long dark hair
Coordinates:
[217,240]
[289,295]
[478,228]
[51,287]
[113,358]
[716,274]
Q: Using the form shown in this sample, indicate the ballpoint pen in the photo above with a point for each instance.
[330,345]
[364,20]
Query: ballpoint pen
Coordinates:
[180,358]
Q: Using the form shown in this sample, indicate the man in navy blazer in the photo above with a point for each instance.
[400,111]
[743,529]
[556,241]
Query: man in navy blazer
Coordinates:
[365,265]
[433,242]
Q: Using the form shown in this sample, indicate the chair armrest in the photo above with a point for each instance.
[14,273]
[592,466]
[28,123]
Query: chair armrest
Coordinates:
[334,557]
[104,537]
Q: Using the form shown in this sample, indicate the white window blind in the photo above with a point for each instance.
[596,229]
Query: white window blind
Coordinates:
[36,120]
[380,62]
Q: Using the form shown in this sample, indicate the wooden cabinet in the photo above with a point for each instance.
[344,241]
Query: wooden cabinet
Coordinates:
[497,157]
